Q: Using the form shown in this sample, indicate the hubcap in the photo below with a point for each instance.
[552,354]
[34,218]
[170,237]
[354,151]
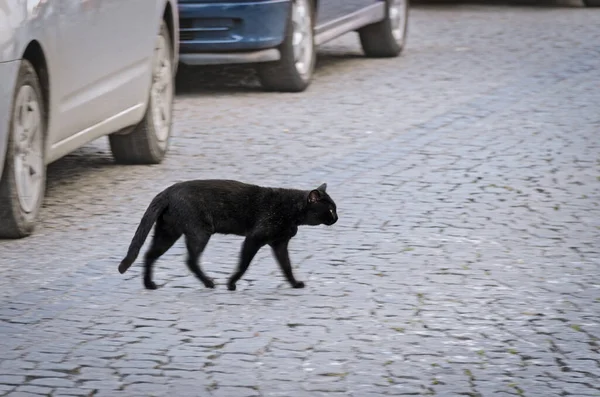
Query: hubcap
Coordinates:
[27,133]
[302,41]
[397,15]
[161,94]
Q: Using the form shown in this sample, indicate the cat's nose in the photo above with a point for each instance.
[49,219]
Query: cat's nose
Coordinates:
[335,218]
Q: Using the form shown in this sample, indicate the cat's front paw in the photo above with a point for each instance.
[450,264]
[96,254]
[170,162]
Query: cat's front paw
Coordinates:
[209,283]
[298,284]
[231,286]
[150,285]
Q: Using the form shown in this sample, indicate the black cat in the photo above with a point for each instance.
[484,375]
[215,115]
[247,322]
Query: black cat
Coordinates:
[201,208]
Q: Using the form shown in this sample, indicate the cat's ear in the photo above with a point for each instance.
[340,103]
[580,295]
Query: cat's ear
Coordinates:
[314,196]
[322,188]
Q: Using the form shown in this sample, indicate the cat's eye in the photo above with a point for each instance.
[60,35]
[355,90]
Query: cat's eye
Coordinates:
[331,212]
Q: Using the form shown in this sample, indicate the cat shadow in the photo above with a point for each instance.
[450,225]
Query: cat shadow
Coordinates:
[227,79]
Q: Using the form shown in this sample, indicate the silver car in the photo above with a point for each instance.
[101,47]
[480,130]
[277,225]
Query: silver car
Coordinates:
[72,71]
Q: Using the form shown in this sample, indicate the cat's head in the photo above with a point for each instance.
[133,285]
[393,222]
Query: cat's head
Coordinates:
[321,210]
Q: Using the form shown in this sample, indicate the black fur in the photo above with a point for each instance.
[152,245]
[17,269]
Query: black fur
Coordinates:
[201,208]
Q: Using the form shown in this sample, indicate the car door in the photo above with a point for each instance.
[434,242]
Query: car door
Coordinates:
[328,10]
[351,6]
[106,48]
[76,68]
[131,30]
[332,11]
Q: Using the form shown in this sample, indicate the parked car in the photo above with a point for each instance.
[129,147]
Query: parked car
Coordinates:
[71,72]
[280,36]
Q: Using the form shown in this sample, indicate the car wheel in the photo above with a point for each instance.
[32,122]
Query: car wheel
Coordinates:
[293,72]
[23,182]
[387,37]
[149,140]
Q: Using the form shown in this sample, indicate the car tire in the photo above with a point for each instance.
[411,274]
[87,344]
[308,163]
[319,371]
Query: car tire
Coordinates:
[148,142]
[293,71]
[591,3]
[387,38]
[23,182]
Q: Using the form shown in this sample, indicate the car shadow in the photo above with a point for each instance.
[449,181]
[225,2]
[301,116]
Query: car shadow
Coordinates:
[332,58]
[82,164]
[226,79]
[215,79]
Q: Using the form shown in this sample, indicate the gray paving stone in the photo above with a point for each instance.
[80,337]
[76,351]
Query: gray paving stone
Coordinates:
[235,379]
[139,364]
[41,373]
[6,388]
[52,382]
[116,393]
[34,390]
[131,379]
[105,384]
[15,364]
[139,371]
[11,379]
[73,392]
[235,392]
[148,389]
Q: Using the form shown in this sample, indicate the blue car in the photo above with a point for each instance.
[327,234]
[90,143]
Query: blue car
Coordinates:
[281,36]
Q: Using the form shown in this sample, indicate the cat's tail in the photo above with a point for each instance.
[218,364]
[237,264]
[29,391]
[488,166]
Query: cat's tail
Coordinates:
[156,207]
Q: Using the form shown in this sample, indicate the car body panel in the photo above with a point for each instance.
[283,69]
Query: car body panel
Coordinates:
[331,10]
[243,31]
[98,55]
[106,95]
[20,24]
[349,22]
[218,27]
[8,76]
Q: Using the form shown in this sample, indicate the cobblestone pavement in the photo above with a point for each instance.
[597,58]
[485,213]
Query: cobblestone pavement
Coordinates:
[465,262]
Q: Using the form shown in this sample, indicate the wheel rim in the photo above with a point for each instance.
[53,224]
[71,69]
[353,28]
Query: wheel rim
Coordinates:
[161,93]
[302,39]
[27,133]
[397,15]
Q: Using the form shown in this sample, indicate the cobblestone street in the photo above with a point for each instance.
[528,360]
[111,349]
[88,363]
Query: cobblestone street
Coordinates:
[465,262]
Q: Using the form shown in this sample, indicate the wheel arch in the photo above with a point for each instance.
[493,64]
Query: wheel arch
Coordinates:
[34,53]
[36,56]
[170,16]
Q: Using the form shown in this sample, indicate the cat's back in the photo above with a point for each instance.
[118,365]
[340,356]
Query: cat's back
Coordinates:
[203,187]
[216,196]
[217,186]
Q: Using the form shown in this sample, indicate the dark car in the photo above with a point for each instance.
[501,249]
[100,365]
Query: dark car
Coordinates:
[281,36]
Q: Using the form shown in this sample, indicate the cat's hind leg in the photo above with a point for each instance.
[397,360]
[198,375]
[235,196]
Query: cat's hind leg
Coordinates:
[280,250]
[162,241]
[249,250]
[196,242]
